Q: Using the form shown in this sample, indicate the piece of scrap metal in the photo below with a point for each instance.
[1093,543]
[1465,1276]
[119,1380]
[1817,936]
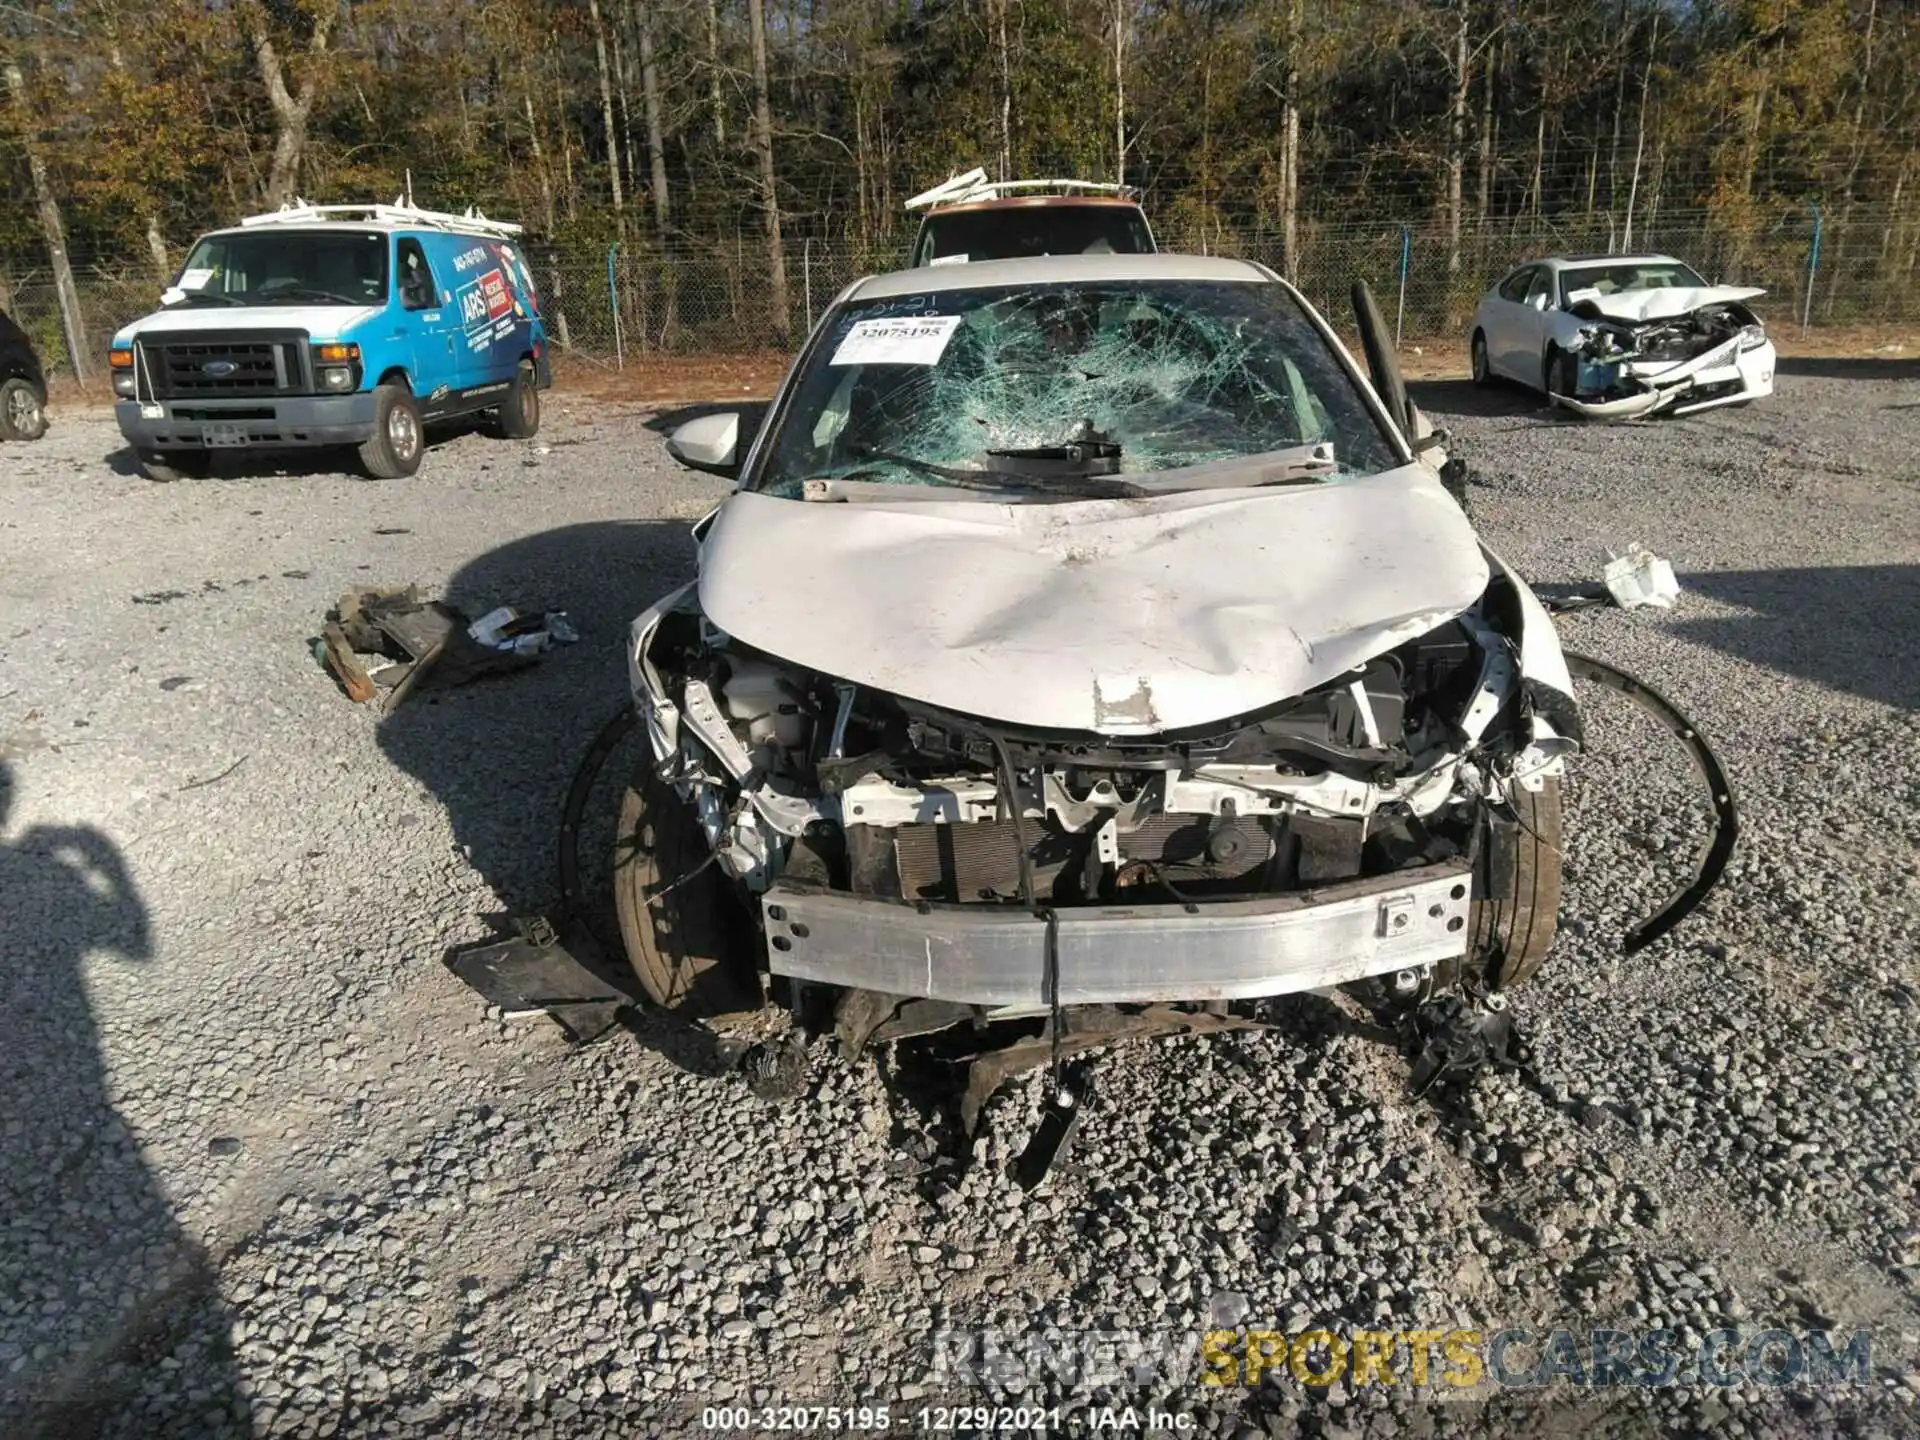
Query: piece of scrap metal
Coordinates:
[533,972]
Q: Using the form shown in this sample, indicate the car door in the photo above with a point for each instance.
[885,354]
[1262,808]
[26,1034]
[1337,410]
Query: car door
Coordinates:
[1535,323]
[424,318]
[1503,319]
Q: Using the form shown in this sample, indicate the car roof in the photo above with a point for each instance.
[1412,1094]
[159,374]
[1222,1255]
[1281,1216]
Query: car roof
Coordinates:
[355,227]
[1056,270]
[1561,262]
[1028,202]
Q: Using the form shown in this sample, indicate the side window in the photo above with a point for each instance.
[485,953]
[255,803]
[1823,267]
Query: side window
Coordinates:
[1514,287]
[417,288]
[1540,293]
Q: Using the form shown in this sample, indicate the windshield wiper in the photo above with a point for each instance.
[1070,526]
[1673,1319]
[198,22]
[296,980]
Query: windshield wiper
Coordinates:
[189,296]
[1068,483]
[1296,465]
[1082,457]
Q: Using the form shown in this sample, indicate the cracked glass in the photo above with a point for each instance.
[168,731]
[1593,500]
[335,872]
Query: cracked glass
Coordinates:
[1175,374]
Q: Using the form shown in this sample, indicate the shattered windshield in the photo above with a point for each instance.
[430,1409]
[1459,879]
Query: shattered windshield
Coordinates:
[285,267]
[1631,275]
[1071,388]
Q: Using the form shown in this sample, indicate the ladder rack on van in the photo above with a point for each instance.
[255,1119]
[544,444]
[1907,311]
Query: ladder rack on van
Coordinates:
[398,213]
[974,185]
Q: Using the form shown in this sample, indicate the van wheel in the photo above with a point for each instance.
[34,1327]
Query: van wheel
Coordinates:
[393,451]
[166,466]
[1511,936]
[520,411]
[22,416]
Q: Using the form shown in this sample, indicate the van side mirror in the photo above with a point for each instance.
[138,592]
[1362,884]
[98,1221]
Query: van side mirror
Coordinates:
[710,443]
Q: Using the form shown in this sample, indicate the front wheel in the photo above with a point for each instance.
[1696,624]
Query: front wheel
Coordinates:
[22,415]
[393,451]
[1512,934]
[1560,372]
[520,411]
[1477,354]
[686,933]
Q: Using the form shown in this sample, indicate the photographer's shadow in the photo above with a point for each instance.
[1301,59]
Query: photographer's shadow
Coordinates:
[122,1329]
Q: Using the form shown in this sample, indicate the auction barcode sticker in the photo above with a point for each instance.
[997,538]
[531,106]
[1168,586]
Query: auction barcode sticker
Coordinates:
[919,340]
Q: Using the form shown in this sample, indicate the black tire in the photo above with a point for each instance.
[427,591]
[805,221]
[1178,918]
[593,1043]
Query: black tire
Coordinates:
[166,466]
[398,441]
[1477,361]
[689,945]
[23,411]
[520,411]
[1559,372]
[1511,937]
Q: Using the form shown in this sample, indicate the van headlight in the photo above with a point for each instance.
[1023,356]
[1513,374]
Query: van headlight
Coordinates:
[336,367]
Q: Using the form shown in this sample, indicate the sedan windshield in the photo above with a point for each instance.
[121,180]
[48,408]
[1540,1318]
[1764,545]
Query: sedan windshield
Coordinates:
[286,267]
[1629,275]
[1073,388]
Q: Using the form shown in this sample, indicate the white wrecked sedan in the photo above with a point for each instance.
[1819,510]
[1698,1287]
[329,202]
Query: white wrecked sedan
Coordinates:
[1621,336]
[1086,648]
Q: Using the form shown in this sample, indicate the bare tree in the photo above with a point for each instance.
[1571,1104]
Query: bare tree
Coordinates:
[606,115]
[52,229]
[770,193]
[290,111]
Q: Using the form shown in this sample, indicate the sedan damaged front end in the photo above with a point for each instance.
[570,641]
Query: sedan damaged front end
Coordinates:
[1089,650]
[1670,351]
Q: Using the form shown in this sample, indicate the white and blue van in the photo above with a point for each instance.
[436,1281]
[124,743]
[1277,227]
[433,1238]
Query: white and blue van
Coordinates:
[333,325]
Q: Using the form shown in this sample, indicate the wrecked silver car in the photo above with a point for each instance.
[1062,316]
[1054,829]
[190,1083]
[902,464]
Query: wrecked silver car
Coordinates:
[1619,337]
[1086,645]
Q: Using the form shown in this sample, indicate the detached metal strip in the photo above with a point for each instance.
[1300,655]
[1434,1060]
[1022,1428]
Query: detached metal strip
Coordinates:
[1718,851]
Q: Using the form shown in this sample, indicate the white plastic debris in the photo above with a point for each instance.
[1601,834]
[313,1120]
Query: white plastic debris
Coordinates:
[507,629]
[1640,577]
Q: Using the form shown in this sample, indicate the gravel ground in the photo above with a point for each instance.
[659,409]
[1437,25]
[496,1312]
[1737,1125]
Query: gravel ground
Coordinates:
[267,1167]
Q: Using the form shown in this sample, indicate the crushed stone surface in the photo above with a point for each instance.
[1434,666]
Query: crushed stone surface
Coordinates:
[268,1167]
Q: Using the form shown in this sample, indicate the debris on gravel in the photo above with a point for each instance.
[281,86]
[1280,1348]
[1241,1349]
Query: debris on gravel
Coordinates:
[267,1167]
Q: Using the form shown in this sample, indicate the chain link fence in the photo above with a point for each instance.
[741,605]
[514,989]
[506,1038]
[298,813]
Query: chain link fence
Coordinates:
[626,303]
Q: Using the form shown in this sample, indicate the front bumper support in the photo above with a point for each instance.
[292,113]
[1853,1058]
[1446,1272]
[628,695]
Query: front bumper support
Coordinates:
[995,956]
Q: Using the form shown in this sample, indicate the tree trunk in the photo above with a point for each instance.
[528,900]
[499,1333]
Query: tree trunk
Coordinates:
[657,162]
[1290,150]
[539,156]
[1006,91]
[52,229]
[763,146]
[290,113]
[623,94]
[1457,142]
[1539,157]
[1484,192]
[713,74]
[1119,92]
[157,247]
[1640,137]
[606,117]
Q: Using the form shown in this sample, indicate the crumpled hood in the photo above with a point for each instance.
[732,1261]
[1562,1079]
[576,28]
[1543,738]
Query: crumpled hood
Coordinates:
[1662,304]
[1119,617]
[322,322]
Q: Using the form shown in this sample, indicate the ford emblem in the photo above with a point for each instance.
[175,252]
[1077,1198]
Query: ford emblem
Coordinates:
[219,369]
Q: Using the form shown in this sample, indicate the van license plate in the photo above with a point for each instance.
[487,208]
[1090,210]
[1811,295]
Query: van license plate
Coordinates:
[226,435]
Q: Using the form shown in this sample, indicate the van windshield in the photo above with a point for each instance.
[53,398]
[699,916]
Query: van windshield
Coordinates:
[285,267]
